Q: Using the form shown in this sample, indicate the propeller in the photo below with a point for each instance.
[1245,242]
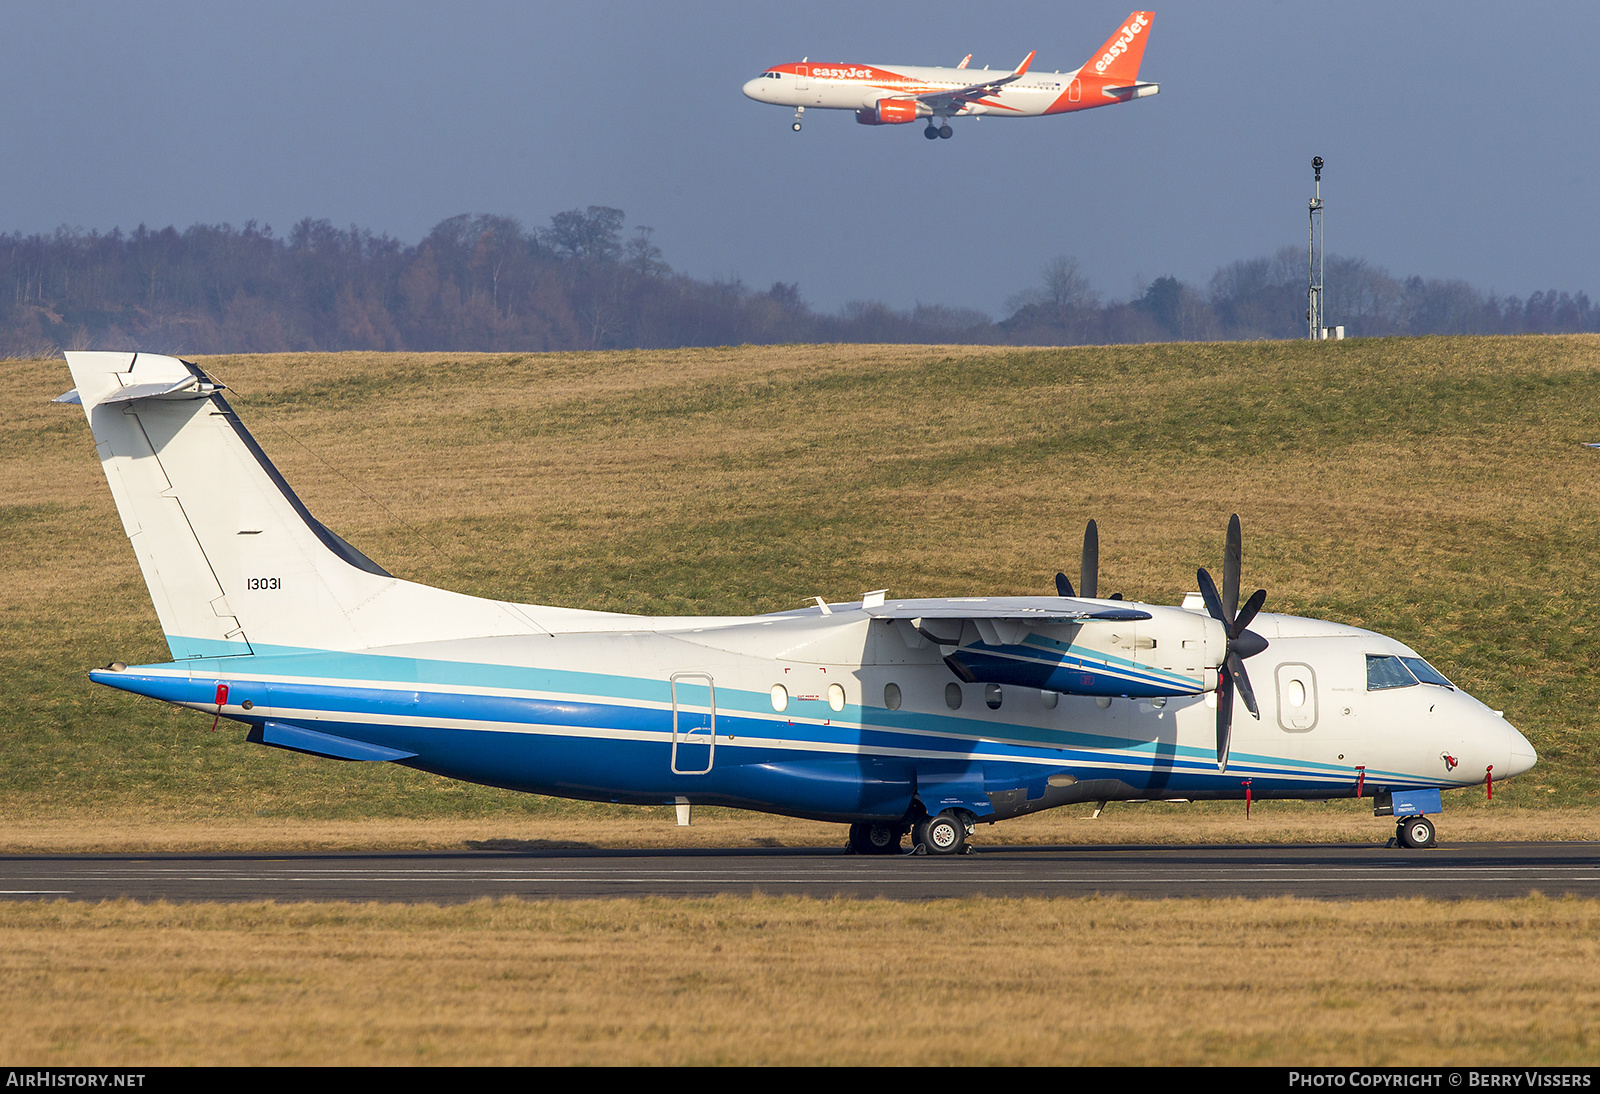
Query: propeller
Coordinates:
[1242,643]
[1088,570]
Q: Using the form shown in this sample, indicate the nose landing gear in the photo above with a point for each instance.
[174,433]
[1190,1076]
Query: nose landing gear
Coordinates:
[1416,833]
[799,112]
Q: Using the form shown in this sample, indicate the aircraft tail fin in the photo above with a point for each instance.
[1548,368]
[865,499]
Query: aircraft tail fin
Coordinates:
[1118,60]
[234,561]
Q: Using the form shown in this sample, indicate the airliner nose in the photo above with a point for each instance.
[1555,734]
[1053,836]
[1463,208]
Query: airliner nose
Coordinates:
[1523,757]
[752,88]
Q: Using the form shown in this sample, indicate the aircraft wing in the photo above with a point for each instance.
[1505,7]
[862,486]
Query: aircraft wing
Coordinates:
[1037,609]
[1001,621]
[948,100]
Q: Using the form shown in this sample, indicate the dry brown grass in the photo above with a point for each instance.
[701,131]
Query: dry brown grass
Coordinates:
[791,980]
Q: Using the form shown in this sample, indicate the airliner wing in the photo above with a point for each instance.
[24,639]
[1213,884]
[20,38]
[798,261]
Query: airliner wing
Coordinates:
[1000,621]
[947,100]
[1033,609]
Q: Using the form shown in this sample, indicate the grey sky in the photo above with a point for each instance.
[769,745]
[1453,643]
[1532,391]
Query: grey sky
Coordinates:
[1460,137]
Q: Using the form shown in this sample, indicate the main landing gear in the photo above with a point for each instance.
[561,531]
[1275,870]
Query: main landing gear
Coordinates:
[876,839]
[934,132]
[945,834]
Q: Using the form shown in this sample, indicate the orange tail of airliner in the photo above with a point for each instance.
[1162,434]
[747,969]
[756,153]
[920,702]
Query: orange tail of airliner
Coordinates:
[1118,60]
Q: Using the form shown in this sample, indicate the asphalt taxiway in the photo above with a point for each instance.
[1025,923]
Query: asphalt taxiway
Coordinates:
[1329,872]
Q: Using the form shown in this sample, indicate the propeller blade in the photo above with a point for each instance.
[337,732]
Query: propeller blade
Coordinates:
[1224,719]
[1241,680]
[1248,613]
[1089,573]
[1232,559]
[1208,592]
[1063,586]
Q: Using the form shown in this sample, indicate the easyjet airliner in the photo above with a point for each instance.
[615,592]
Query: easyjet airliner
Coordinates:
[896,96]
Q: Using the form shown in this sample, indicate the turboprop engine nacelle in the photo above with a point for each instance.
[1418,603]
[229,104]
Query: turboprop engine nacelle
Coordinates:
[1175,652]
[888,112]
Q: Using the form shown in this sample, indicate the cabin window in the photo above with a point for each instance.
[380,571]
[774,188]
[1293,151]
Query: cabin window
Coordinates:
[952,695]
[780,698]
[891,696]
[836,696]
[993,696]
[1295,693]
[1385,672]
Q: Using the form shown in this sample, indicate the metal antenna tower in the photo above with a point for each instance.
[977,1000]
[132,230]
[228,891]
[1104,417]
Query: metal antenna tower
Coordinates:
[1314,319]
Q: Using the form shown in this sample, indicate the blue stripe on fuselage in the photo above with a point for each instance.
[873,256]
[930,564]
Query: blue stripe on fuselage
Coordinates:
[607,736]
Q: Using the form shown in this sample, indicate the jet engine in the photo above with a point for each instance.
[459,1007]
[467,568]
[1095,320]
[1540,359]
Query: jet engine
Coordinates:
[888,112]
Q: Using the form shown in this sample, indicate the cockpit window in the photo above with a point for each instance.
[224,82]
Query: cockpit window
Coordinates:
[1426,672]
[1387,672]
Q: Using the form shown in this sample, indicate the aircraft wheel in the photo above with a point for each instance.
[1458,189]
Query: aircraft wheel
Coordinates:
[945,834]
[931,133]
[796,127]
[875,839]
[1416,833]
[945,131]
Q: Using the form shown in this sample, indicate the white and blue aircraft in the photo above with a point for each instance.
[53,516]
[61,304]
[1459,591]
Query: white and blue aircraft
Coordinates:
[896,717]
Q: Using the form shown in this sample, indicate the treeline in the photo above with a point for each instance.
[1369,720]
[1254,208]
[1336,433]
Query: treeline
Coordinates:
[583,282]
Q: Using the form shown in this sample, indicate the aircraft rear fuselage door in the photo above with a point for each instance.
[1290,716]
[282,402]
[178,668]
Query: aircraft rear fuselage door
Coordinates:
[1297,697]
[694,723]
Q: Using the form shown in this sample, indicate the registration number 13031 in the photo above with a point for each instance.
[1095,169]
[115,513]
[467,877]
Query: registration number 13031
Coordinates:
[254,583]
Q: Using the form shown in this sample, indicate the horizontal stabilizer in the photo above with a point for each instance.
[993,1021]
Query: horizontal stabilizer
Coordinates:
[189,387]
[1132,91]
[295,739]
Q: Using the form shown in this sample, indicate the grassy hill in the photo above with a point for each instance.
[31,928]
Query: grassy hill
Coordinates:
[1434,489]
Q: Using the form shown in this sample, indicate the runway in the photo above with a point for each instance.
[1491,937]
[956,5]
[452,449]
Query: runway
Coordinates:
[1327,872]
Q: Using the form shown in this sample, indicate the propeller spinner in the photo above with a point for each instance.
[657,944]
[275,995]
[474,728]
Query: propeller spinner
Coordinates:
[1242,643]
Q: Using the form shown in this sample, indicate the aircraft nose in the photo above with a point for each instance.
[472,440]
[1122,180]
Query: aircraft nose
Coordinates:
[752,88]
[1523,757]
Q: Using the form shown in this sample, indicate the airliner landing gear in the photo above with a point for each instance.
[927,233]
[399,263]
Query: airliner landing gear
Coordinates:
[945,834]
[875,839]
[799,112]
[945,131]
[931,133]
[1415,832]
[934,132]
